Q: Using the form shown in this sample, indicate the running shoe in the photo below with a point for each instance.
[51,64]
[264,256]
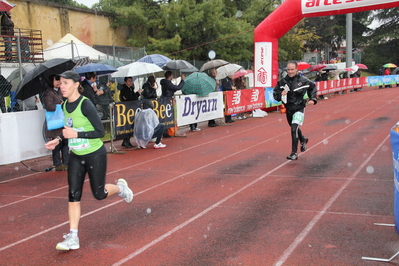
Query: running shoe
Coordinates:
[69,243]
[292,156]
[159,146]
[303,144]
[195,129]
[127,192]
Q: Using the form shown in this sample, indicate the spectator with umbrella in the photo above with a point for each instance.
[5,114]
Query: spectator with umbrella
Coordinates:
[150,88]
[240,84]
[90,89]
[105,99]
[213,73]
[128,94]
[168,88]
[7,30]
[52,96]
[227,85]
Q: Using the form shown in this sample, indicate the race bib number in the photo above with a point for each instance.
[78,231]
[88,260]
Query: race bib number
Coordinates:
[78,144]
[298,118]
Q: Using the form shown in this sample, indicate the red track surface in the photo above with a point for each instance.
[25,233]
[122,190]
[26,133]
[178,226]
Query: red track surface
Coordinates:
[225,196]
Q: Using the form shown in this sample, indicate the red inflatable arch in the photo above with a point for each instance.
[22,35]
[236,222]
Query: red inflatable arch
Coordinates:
[288,15]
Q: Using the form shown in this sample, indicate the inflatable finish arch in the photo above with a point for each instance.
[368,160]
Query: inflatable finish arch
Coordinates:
[287,16]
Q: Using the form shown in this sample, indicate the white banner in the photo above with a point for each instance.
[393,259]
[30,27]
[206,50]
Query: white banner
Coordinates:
[263,64]
[21,136]
[193,109]
[317,6]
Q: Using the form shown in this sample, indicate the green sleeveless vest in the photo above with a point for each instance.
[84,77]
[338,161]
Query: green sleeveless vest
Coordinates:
[80,123]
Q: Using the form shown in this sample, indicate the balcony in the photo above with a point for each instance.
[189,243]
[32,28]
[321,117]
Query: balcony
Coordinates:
[25,46]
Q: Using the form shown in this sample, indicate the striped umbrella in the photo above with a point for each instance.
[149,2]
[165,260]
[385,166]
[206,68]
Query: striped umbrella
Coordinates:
[6,6]
[199,83]
[156,59]
[389,65]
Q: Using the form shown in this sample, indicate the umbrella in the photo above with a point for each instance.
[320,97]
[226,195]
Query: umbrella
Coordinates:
[317,67]
[136,69]
[178,64]
[199,83]
[242,72]
[35,81]
[352,69]
[15,77]
[330,67]
[111,62]
[6,6]
[362,66]
[99,69]
[156,59]
[226,70]
[303,65]
[389,65]
[213,64]
[187,70]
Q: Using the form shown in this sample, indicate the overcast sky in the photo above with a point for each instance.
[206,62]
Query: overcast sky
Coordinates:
[87,3]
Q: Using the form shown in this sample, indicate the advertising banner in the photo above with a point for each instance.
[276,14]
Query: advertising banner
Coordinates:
[331,86]
[193,109]
[263,64]
[319,6]
[395,156]
[239,101]
[124,113]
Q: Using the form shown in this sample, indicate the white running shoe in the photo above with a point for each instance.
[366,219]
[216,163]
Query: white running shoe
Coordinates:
[69,243]
[127,192]
[159,146]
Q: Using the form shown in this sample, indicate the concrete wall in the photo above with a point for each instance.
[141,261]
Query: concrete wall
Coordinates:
[56,20]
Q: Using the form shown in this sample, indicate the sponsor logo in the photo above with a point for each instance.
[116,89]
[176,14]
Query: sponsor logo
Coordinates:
[255,95]
[316,3]
[236,98]
[262,76]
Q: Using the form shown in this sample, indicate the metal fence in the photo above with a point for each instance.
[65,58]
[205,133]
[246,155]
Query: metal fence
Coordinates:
[125,55]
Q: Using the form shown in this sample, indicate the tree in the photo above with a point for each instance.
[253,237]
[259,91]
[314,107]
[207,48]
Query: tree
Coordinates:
[383,41]
[68,2]
[292,45]
[185,29]
[332,31]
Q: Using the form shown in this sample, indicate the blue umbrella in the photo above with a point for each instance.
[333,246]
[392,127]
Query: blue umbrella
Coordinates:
[99,69]
[156,59]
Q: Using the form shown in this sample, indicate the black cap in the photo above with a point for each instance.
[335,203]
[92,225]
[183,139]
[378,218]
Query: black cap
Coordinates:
[70,75]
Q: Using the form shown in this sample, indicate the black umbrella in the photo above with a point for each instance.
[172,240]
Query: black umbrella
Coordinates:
[178,64]
[36,80]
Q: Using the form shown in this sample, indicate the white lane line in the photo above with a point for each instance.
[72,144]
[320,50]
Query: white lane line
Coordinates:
[287,253]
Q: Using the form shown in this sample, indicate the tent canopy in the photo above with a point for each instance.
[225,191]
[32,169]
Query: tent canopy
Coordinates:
[63,49]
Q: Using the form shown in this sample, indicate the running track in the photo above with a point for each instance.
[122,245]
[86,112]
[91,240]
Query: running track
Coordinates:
[225,196]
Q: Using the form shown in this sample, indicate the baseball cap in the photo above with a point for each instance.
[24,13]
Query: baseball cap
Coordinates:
[70,75]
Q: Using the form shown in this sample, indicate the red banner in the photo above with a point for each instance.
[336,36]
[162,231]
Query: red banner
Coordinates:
[330,86]
[239,101]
